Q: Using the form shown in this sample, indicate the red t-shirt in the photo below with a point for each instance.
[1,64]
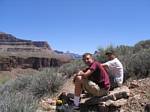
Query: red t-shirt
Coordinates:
[99,75]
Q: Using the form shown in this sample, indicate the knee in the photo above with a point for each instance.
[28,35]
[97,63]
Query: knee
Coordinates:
[78,79]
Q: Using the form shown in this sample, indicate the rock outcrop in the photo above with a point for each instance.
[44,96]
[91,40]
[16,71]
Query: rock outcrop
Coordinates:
[113,101]
[16,52]
[133,96]
[110,103]
[8,39]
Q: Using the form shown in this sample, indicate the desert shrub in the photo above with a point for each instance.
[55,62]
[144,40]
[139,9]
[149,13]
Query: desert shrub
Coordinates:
[7,87]
[47,82]
[14,96]
[125,62]
[124,54]
[142,45]
[135,60]
[69,69]
[17,102]
[21,94]
[139,63]
[4,79]
[124,50]
[22,82]
[147,94]
[101,53]
[16,85]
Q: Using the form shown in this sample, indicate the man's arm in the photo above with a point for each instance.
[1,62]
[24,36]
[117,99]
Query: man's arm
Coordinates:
[104,65]
[85,74]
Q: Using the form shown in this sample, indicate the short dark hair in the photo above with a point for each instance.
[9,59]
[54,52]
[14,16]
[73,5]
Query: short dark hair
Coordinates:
[110,52]
[85,54]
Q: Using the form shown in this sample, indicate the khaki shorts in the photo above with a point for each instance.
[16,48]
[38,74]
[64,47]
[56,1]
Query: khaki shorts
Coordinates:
[92,88]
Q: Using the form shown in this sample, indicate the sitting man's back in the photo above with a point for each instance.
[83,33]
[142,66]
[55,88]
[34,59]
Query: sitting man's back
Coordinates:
[115,68]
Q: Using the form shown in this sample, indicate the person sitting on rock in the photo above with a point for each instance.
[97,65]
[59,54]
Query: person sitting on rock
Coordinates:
[115,69]
[94,79]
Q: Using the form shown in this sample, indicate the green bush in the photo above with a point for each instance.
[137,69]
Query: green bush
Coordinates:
[123,50]
[101,53]
[139,63]
[69,69]
[142,45]
[21,94]
[135,60]
[17,102]
[47,82]
[100,56]
[4,79]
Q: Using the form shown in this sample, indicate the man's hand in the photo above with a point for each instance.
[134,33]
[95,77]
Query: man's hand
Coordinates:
[80,73]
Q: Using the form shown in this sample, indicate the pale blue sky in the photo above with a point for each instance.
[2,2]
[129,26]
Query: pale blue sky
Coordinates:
[77,25]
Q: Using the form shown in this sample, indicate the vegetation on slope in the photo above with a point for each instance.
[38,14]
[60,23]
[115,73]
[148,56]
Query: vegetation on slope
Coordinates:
[22,94]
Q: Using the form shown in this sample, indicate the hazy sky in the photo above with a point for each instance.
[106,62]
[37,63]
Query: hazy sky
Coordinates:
[77,25]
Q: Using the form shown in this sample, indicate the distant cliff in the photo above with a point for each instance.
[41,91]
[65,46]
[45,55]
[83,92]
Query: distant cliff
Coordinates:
[8,39]
[73,55]
[15,52]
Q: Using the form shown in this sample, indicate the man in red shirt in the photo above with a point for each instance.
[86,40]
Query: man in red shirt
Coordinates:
[93,79]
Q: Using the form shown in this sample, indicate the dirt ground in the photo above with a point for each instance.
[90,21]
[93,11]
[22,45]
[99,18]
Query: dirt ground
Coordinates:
[140,95]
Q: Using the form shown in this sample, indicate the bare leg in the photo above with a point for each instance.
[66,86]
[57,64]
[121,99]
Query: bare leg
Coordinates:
[78,85]
[78,89]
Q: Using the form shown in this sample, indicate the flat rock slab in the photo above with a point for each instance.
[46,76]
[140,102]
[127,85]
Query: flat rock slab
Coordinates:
[112,98]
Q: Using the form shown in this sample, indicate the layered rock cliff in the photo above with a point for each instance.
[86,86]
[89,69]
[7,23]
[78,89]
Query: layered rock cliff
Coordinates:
[15,52]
